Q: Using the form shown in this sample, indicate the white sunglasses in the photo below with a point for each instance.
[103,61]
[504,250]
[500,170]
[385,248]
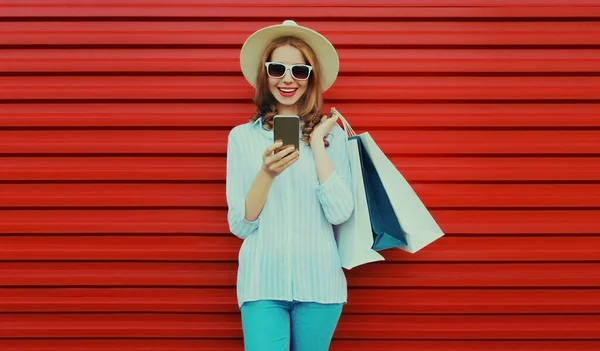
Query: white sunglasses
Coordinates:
[277,70]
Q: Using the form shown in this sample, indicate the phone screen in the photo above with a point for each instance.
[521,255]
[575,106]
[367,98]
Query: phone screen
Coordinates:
[287,129]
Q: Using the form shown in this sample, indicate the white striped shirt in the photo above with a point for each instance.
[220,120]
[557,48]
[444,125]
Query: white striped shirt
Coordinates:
[289,253]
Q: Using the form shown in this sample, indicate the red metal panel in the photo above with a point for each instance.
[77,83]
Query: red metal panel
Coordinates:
[330,8]
[113,221]
[221,61]
[112,165]
[188,221]
[361,115]
[343,33]
[186,325]
[223,300]
[346,88]
[156,344]
[213,195]
[393,142]
[225,248]
[121,168]
[391,275]
[415,169]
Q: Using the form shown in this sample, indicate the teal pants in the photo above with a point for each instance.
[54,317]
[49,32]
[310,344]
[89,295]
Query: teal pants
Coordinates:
[271,325]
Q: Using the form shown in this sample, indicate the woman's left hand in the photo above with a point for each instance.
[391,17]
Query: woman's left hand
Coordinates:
[323,128]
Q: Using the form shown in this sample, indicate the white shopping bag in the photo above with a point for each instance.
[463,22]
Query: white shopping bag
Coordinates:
[355,237]
[419,227]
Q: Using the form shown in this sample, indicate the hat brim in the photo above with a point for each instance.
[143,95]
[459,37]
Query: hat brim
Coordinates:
[255,46]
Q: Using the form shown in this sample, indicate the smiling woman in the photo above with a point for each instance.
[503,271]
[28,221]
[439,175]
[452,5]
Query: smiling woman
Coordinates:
[290,286]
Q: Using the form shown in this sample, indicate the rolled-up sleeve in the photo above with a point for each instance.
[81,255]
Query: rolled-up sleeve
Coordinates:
[335,194]
[238,182]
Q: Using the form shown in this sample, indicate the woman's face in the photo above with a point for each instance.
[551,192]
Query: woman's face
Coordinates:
[286,89]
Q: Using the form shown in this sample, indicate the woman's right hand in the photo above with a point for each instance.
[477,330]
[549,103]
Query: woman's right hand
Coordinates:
[275,162]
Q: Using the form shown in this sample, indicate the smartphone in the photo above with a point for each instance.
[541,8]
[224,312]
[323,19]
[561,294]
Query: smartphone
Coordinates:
[287,129]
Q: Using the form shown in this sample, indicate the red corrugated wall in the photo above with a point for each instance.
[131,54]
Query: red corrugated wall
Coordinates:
[113,125]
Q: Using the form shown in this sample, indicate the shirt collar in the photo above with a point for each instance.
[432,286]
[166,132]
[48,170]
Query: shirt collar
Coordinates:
[258,125]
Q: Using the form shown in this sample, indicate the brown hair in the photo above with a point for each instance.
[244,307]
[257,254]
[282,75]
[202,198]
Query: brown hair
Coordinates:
[310,104]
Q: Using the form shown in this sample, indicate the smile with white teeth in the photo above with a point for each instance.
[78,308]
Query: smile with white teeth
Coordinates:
[288,90]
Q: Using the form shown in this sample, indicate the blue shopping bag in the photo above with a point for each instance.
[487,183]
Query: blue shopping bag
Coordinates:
[387,231]
[399,219]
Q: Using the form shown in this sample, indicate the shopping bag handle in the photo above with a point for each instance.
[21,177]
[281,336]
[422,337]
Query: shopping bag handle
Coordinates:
[347,128]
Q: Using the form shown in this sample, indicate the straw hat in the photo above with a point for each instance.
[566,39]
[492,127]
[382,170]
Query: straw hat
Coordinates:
[255,46]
